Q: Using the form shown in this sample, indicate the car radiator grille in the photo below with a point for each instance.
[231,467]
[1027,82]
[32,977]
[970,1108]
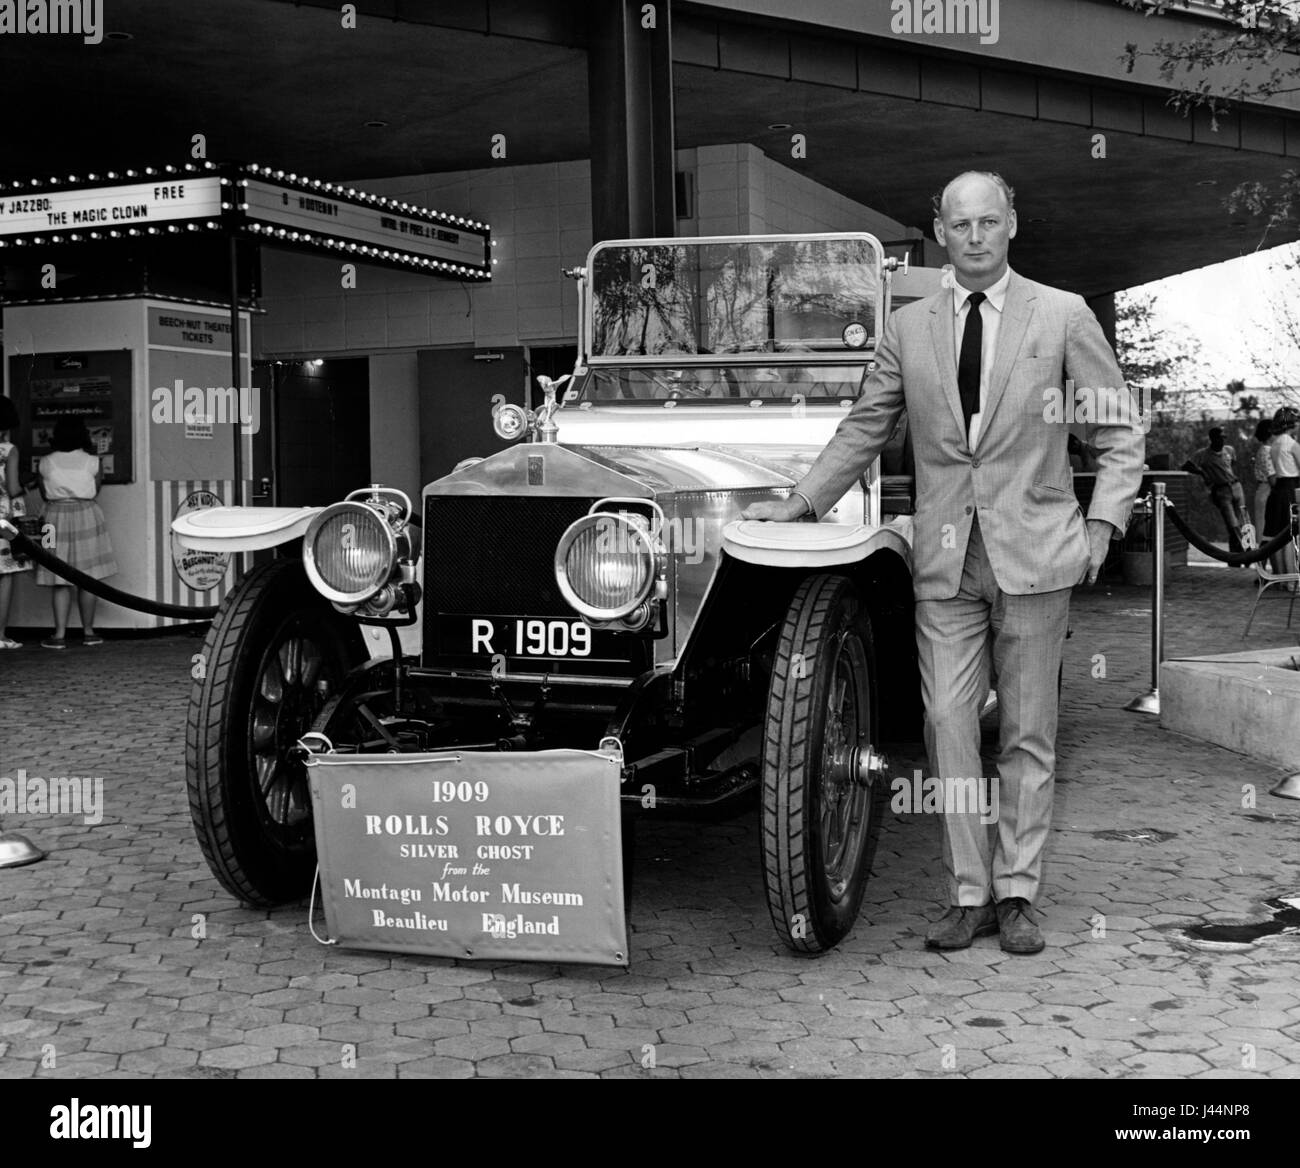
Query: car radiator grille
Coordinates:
[495,554]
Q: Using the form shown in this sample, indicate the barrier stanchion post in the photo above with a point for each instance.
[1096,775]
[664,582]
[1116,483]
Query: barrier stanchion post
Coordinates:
[1149,702]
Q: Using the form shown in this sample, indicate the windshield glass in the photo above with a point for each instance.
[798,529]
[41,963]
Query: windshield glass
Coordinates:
[731,384]
[787,296]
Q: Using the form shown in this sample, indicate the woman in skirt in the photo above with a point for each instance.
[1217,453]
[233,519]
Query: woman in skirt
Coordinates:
[11,507]
[70,478]
[1285,452]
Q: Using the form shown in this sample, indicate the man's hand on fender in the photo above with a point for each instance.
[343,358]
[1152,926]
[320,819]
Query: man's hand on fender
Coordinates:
[1099,536]
[780,510]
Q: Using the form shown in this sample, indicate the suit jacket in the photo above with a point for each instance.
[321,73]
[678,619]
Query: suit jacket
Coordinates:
[1018,476]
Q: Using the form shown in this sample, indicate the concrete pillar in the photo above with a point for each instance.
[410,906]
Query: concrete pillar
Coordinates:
[1103,308]
[630,90]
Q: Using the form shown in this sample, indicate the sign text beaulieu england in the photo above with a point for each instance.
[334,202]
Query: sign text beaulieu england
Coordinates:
[467,854]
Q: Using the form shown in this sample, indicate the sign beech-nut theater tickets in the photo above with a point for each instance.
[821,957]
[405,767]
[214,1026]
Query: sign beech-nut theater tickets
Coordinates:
[472,855]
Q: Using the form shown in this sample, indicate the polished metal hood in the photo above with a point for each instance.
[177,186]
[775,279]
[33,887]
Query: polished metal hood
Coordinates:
[542,468]
[667,469]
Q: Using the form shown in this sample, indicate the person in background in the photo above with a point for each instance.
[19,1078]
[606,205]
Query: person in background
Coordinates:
[1264,475]
[70,479]
[11,507]
[1215,464]
[1285,452]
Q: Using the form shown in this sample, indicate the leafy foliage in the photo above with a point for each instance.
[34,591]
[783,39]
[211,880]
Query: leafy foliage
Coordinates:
[1252,58]
[1155,360]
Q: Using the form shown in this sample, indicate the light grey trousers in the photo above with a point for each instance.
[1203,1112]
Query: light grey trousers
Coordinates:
[1022,638]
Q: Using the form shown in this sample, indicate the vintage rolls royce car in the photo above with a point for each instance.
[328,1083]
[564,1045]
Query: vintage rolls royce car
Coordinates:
[592,586]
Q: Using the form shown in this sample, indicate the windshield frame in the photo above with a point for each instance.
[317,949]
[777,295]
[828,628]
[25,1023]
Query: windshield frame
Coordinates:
[791,356]
[575,395]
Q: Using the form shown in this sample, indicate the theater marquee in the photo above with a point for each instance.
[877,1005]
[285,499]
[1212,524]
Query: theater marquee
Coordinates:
[287,210]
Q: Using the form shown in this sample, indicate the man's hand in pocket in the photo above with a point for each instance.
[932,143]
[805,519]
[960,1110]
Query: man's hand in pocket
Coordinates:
[1100,533]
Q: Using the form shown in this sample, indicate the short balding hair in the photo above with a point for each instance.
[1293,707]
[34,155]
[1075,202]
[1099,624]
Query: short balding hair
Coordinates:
[1008,191]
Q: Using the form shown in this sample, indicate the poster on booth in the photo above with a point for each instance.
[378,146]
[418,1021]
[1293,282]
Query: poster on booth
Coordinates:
[201,571]
[93,388]
[514,856]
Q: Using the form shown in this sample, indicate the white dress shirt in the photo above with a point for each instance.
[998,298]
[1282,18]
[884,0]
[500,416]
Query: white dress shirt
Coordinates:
[1286,456]
[991,318]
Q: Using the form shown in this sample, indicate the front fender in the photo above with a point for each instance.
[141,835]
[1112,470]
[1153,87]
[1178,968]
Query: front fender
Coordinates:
[242,529]
[815,545]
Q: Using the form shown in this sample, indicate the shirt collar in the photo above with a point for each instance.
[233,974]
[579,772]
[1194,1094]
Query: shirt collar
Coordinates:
[995,293]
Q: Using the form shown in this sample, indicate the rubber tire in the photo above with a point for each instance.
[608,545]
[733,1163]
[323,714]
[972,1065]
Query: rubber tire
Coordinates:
[803,912]
[245,855]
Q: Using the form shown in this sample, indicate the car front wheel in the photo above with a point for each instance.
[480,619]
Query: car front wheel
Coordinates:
[274,655]
[820,815]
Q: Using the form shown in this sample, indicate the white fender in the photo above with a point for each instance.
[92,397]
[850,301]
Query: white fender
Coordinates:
[815,545]
[242,529]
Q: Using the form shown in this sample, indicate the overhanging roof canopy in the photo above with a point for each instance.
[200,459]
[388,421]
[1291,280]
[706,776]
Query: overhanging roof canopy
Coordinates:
[419,87]
[254,201]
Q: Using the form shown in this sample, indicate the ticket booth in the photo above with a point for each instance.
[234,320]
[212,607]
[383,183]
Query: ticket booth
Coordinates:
[151,380]
[128,288]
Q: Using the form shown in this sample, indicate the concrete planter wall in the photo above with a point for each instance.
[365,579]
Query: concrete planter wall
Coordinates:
[1248,702]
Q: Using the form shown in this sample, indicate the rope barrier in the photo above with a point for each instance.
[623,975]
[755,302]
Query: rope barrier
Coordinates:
[25,547]
[1157,503]
[1246,557]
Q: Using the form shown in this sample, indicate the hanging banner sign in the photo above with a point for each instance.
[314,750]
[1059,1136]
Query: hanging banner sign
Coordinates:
[104,208]
[381,227]
[255,201]
[514,856]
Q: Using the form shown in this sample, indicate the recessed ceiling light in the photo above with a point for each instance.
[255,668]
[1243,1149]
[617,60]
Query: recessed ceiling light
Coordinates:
[120,36]
[779,126]
[1208,182]
[376,125]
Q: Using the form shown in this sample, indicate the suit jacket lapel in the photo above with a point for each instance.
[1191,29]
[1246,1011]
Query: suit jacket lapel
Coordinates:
[941,331]
[1016,312]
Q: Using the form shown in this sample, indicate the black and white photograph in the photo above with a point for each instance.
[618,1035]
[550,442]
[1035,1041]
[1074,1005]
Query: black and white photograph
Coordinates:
[647,539]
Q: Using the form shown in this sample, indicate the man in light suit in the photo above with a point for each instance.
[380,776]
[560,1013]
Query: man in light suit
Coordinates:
[991,371]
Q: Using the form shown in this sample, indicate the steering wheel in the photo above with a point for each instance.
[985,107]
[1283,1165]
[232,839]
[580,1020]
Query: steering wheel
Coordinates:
[676,390]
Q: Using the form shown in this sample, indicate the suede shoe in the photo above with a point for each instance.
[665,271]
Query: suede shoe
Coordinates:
[960,925]
[1016,928]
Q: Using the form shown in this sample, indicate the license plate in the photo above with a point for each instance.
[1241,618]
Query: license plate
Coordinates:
[527,636]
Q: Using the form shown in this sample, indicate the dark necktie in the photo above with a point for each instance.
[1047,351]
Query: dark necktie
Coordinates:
[968,363]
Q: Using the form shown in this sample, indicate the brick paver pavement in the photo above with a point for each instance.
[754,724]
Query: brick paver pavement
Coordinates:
[101,976]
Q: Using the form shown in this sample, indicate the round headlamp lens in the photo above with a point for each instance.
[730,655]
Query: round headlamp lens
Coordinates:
[605,566]
[349,552]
